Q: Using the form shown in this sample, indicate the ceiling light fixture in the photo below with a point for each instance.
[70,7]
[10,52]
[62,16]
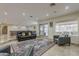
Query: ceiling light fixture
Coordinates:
[66,7]
[47,14]
[31,16]
[23,14]
[5,13]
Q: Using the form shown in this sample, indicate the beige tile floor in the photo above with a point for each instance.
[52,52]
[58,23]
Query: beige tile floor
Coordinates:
[56,50]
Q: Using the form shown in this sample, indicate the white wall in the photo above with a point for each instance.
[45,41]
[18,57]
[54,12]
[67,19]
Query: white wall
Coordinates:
[17,28]
[69,17]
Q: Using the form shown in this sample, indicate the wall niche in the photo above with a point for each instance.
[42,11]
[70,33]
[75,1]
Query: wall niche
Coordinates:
[4,30]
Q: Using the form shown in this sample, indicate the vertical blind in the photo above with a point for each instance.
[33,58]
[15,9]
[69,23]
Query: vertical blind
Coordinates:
[71,27]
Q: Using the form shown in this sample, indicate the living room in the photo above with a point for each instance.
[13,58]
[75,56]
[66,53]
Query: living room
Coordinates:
[37,29]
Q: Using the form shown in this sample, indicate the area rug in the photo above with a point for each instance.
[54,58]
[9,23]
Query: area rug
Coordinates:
[40,47]
[42,50]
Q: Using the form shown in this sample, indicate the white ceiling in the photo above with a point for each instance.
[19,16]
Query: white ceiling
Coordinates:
[13,13]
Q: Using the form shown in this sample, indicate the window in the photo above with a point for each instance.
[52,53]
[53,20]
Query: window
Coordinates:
[44,29]
[69,27]
[41,29]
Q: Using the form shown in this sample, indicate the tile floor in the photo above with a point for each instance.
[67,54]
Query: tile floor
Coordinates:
[56,50]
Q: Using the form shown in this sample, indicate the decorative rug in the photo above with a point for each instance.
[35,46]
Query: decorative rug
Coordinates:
[30,47]
[40,46]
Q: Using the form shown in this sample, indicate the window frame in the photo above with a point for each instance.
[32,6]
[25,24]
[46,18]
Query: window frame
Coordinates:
[65,24]
[43,29]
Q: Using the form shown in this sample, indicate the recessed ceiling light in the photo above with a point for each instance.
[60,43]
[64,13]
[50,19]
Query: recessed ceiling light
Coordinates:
[47,14]
[23,14]
[5,13]
[66,7]
[31,16]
